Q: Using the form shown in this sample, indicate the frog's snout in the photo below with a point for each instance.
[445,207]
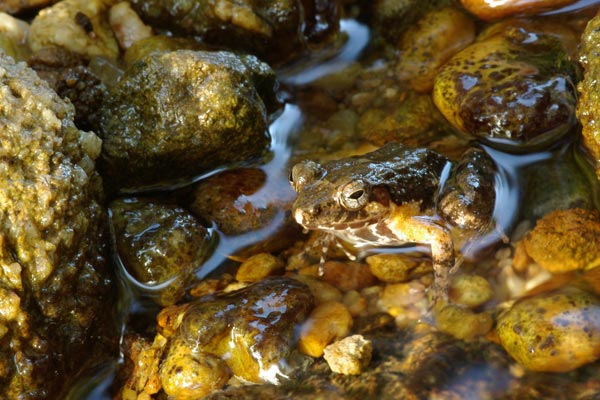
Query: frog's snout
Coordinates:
[303,217]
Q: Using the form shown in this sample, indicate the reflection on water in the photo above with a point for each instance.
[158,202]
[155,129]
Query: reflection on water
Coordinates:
[358,38]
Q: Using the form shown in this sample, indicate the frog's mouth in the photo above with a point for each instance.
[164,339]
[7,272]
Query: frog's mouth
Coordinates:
[342,221]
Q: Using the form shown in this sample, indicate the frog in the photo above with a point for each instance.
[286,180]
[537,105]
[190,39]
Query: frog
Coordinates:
[399,195]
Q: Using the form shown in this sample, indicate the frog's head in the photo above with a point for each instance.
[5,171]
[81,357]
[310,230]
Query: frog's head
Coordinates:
[337,196]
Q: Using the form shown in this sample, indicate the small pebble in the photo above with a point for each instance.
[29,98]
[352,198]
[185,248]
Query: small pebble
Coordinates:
[349,356]
[258,267]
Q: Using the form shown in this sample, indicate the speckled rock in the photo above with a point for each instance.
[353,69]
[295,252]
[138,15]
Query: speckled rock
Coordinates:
[565,240]
[508,90]
[540,331]
[55,285]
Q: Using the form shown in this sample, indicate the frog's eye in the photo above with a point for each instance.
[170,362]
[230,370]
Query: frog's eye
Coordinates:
[354,196]
[304,173]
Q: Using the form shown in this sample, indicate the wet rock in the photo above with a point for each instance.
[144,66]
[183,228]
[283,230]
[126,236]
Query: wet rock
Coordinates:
[160,44]
[461,322]
[588,107]
[565,181]
[56,287]
[391,18]
[175,115]
[68,74]
[495,10]
[322,292]
[79,26]
[539,332]
[258,267]
[188,375]
[395,268]
[565,240]
[327,323]
[349,356]
[470,290]
[347,275]
[409,118]
[159,245]
[429,43]
[273,30]
[513,87]
[234,201]
[251,331]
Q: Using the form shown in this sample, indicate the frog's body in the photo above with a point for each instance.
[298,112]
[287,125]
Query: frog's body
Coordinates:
[397,195]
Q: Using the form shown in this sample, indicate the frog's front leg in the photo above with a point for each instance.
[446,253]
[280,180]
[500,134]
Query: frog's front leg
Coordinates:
[468,198]
[408,225]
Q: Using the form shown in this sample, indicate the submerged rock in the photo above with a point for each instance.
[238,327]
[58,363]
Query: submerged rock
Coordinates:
[159,245]
[555,331]
[55,289]
[178,114]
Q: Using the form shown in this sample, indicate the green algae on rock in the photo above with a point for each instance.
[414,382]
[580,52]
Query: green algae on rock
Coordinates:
[556,331]
[513,87]
[159,244]
[565,240]
[588,109]
[178,114]
[55,288]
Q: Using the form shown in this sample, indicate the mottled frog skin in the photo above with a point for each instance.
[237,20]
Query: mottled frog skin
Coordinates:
[398,195]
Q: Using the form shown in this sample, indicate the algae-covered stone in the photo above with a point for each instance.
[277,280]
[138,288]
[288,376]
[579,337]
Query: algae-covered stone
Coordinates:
[588,107]
[566,240]
[513,87]
[554,332]
[159,245]
[274,30]
[52,232]
[158,43]
[566,180]
[175,115]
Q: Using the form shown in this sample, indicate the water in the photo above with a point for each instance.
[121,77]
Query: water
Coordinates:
[284,129]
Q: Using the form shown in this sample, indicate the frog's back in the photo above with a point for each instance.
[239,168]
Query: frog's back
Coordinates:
[409,174]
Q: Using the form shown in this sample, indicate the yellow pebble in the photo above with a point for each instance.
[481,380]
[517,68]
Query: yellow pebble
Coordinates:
[258,267]
[327,322]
